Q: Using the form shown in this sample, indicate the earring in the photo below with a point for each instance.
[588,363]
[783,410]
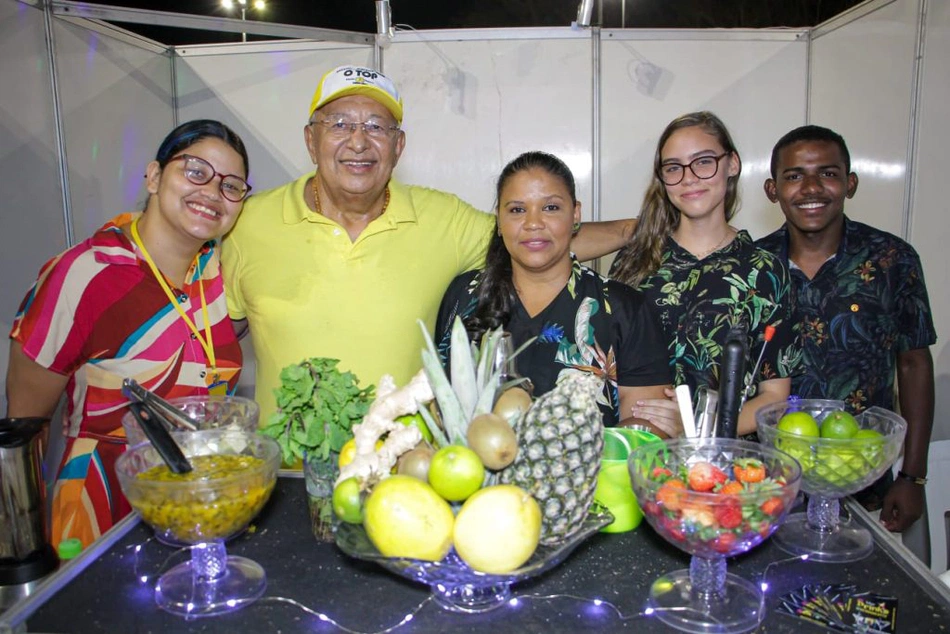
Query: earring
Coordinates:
[576,228]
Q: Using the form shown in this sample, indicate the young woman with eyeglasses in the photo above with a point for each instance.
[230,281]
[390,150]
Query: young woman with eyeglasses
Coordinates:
[143,299]
[700,275]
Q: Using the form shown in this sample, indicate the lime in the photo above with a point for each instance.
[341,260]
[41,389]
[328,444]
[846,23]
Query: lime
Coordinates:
[419,422]
[456,472]
[840,425]
[346,501]
[799,424]
[871,444]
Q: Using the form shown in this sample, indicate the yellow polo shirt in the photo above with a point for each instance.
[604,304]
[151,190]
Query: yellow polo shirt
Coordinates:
[308,291]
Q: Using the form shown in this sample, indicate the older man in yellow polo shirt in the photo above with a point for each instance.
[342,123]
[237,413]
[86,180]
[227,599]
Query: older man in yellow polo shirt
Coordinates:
[342,262]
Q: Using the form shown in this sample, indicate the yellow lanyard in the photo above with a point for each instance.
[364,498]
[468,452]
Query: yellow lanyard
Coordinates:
[207,343]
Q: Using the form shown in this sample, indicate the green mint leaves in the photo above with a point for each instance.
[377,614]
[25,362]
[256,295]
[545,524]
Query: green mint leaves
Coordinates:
[317,406]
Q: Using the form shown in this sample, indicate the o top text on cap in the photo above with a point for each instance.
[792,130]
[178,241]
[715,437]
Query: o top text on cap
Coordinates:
[354,80]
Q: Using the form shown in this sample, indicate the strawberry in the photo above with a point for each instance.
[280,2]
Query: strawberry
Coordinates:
[672,528]
[748,470]
[670,494]
[700,514]
[731,488]
[660,473]
[772,506]
[729,514]
[704,476]
[724,543]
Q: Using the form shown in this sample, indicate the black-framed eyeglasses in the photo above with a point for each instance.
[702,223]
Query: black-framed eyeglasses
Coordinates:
[199,172]
[341,127]
[703,167]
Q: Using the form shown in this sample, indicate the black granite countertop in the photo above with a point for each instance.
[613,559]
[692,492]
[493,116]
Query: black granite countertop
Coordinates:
[114,591]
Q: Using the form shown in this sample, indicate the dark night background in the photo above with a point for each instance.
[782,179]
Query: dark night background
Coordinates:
[360,15]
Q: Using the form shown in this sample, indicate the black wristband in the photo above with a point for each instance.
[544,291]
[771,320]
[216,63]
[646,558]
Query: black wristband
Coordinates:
[914,479]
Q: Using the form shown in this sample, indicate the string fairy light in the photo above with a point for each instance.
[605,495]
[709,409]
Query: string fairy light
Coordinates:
[514,602]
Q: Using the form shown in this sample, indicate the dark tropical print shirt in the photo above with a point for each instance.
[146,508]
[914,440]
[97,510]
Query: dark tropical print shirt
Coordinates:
[593,325]
[864,306]
[699,301]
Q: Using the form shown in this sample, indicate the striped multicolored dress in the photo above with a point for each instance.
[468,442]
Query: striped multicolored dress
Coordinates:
[97,314]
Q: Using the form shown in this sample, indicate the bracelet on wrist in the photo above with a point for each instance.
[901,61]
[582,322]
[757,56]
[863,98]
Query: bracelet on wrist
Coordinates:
[914,479]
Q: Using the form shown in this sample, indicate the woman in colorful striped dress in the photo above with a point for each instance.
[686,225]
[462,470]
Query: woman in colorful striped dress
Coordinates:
[142,298]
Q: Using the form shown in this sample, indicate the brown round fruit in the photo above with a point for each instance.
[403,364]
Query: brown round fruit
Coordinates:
[416,461]
[512,404]
[493,440]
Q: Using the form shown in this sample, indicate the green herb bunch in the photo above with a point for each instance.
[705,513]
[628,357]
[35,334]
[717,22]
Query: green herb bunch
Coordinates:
[317,406]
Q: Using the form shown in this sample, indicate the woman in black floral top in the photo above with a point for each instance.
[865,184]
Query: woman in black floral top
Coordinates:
[703,277]
[532,286]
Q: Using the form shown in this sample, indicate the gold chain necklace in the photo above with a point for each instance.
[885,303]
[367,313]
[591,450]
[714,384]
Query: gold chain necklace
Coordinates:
[729,235]
[319,209]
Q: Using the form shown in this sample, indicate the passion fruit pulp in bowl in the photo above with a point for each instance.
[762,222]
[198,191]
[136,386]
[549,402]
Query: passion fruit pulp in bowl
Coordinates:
[233,475]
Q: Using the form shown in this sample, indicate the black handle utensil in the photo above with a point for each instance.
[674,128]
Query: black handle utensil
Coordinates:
[157,405]
[166,446]
[731,372]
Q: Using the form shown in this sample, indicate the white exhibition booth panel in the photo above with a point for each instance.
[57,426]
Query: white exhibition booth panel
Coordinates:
[104,98]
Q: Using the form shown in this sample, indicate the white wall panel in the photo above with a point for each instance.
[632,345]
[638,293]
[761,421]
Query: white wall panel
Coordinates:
[755,86]
[116,100]
[264,94]
[472,106]
[31,209]
[861,86]
[930,226]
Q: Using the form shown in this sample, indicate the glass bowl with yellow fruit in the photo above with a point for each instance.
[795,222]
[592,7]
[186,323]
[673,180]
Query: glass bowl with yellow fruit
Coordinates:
[840,454]
[233,475]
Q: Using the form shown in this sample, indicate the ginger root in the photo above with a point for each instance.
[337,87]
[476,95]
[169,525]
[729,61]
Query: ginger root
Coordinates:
[391,403]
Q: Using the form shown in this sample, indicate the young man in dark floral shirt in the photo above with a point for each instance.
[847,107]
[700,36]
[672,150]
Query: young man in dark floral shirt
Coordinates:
[862,305]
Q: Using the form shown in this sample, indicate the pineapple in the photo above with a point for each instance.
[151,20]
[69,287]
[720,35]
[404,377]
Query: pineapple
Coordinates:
[560,437]
[560,442]
[474,385]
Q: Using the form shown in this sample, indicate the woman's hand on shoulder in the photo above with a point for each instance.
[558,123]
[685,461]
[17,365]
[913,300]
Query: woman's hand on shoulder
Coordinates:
[655,405]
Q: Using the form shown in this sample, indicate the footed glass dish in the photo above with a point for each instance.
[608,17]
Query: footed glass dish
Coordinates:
[831,469]
[711,526]
[455,586]
[208,411]
[234,475]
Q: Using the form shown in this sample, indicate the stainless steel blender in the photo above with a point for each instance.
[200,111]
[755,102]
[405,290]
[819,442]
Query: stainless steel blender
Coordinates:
[26,555]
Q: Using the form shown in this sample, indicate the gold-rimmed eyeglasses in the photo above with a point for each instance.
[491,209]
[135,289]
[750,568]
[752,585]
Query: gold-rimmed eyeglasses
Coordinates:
[341,127]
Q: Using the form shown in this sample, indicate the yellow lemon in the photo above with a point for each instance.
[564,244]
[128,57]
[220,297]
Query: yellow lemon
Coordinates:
[348,451]
[497,529]
[405,517]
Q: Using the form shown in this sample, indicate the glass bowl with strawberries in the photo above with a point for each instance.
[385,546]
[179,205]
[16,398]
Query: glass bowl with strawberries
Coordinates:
[840,454]
[712,498]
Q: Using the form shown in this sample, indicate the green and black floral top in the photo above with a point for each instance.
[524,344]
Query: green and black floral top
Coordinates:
[594,325]
[698,301]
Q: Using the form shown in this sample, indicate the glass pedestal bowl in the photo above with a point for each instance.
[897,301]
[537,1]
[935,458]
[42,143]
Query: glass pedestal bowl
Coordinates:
[455,586]
[710,526]
[831,469]
[206,411]
[233,477]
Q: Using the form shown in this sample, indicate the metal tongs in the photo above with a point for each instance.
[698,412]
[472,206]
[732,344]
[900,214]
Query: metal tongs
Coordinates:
[161,440]
[161,409]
